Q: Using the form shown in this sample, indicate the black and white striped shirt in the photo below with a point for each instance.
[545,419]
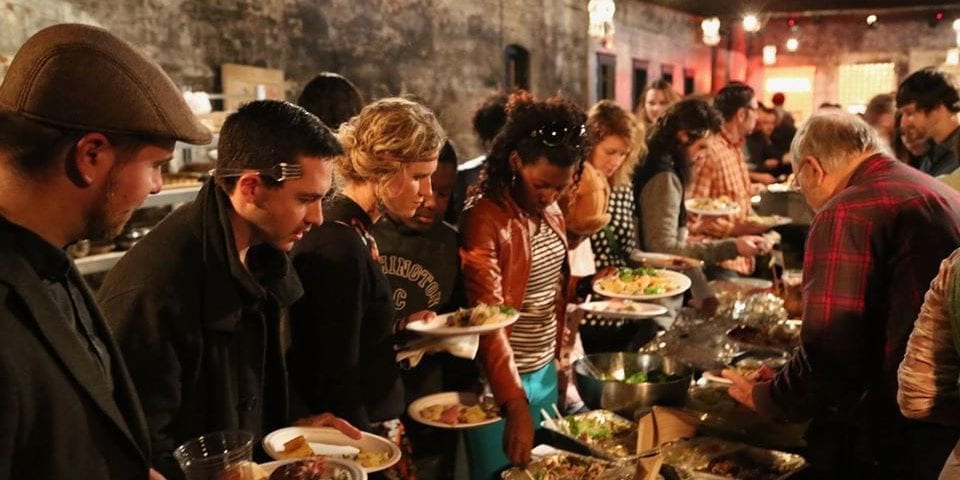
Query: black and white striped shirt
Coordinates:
[534,336]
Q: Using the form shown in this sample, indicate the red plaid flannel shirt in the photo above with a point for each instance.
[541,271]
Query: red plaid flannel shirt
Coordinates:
[870,256]
[722,171]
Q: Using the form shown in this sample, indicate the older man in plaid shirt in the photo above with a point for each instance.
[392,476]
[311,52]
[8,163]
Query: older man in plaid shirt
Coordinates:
[877,240]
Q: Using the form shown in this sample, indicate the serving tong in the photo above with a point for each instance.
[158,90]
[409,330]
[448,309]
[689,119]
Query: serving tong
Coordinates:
[279,172]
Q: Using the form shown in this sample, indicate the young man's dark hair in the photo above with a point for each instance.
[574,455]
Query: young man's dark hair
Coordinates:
[261,135]
[448,154]
[731,98]
[332,98]
[928,88]
[490,118]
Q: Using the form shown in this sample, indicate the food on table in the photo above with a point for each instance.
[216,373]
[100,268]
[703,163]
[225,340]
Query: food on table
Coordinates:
[637,281]
[457,413]
[311,469]
[244,470]
[719,204]
[781,336]
[730,459]
[603,431]
[297,447]
[568,467]
[650,376]
[482,314]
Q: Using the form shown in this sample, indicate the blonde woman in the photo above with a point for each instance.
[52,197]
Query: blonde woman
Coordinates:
[655,100]
[342,357]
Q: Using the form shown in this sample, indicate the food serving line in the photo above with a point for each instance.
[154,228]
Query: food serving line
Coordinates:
[661,413]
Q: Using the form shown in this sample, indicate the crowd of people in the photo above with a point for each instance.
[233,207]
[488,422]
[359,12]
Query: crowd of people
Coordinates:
[280,295]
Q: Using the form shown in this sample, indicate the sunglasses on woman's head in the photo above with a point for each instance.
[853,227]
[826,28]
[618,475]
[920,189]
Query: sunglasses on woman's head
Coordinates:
[555,135]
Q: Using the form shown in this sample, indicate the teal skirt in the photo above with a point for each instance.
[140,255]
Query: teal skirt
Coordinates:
[485,445]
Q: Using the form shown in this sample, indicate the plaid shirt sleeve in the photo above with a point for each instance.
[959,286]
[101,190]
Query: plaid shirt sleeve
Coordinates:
[832,362]
[703,171]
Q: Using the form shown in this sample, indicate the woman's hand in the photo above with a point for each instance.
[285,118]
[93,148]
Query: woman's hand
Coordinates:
[425,315]
[329,420]
[518,434]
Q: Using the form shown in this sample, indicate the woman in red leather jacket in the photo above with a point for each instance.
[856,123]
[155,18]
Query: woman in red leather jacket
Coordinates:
[513,252]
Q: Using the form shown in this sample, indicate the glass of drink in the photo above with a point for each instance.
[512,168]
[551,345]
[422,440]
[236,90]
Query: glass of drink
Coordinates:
[225,455]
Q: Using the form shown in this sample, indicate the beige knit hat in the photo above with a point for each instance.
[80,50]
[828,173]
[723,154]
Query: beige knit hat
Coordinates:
[85,78]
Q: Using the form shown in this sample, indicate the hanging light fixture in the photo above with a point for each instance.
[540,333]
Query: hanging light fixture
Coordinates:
[711,31]
[956,28]
[769,54]
[792,44]
[872,21]
[601,18]
[751,23]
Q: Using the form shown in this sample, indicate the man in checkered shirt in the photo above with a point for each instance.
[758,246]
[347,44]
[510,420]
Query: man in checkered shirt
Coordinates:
[877,240]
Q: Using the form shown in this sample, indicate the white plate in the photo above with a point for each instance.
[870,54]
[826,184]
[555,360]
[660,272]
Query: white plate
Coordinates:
[438,326]
[770,221]
[356,473]
[731,209]
[664,260]
[446,398]
[682,281]
[330,441]
[641,310]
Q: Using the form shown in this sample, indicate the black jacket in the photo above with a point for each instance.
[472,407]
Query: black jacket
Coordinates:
[342,357]
[200,333]
[58,419]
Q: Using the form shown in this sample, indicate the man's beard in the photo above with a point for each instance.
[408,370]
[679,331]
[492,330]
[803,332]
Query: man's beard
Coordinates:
[101,224]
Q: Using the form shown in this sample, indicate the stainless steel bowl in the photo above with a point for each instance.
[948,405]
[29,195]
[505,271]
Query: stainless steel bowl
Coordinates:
[625,398]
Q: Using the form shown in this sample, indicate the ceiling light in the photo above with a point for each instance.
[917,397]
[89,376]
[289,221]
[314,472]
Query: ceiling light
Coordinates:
[711,31]
[792,44]
[751,23]
[871,21]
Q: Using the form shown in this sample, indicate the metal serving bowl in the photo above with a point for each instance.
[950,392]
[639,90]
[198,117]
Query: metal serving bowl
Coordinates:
[625,398]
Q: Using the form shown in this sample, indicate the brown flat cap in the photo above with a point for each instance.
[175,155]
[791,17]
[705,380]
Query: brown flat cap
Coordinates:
[84,77]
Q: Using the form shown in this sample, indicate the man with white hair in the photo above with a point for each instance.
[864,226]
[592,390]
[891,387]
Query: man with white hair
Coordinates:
[877,240]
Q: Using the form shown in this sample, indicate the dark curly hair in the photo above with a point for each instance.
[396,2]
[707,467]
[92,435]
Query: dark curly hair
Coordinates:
[929,87]
[525,117]
[490,117]
[693,116]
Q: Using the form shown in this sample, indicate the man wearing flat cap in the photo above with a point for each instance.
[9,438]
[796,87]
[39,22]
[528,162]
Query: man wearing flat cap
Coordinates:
[85,124]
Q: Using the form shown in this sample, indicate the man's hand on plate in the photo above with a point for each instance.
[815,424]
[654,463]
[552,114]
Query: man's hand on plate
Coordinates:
[742,388]
[329,420]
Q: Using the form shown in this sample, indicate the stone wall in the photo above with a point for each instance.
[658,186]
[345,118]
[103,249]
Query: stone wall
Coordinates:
[448,53]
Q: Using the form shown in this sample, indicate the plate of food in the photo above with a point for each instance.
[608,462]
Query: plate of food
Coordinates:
[642,284]
[480,319]
[664,260]
[769,221]
[748,363]
[626,309]
[373,453]
[454,410]
[712,206]
[313,468]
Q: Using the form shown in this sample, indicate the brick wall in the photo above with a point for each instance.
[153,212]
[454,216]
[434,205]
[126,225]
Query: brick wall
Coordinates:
[449,53]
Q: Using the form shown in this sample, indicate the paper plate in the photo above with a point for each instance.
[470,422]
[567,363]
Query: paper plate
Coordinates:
[625,309]
[682,281]
[721,207]
[446,398]
[334,444]
[356,473]
[438,326]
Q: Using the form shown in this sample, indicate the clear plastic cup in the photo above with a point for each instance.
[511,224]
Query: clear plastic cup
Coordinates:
[225,455]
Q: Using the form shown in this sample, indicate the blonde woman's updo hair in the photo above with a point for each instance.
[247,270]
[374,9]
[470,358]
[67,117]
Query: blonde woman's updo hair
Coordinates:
[387,133]
[607,118]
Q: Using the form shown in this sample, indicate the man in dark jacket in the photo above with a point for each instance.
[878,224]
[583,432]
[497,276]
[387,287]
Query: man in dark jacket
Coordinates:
[85,123]
[929,104]
[197,305]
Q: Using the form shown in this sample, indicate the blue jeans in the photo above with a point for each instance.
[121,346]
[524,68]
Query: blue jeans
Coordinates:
[485,444]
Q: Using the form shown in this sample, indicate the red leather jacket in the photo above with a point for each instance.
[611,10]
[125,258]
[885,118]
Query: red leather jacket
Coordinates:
[495,256]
